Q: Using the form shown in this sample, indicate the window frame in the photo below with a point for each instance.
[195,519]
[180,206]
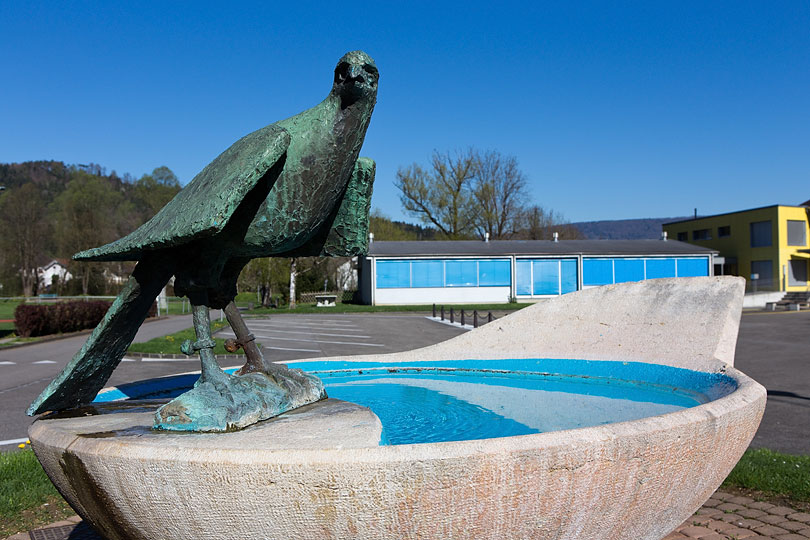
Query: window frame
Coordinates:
[562,282]
[504,279]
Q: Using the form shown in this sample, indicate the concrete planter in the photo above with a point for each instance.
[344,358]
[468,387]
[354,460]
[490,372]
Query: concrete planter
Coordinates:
[318,472]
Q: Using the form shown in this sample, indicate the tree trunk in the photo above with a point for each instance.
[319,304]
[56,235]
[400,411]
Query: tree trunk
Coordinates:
[292,283]
[85,280]
[29,280]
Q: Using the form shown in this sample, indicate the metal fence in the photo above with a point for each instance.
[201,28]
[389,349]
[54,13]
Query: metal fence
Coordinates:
[342,297]
[462,316]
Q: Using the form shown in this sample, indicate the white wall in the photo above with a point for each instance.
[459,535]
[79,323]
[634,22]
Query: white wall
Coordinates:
[758,300]
[46,275]
[442,295]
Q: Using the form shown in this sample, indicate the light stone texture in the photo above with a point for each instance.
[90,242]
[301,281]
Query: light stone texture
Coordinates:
[631,480]
[683,322]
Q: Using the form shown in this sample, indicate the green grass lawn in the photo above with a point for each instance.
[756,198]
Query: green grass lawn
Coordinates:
[773,473]
[170,344]
[359,308]
[7,312]
[6,329]
[27,497]
[7,308]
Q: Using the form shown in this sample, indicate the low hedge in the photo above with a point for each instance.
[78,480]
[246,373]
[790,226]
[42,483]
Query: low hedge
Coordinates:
[31,320]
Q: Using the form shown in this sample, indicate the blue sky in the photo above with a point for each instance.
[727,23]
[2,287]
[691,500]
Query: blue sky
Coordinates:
[613,109]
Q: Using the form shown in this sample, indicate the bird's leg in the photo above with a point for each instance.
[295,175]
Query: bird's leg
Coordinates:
[255,359]
[205,344]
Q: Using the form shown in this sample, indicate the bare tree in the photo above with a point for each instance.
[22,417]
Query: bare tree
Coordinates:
[441,196]
[267,276]
[86,215]
[499,193]
[22,218]
[537,223]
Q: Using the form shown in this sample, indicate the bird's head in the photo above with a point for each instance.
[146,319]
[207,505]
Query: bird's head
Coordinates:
[356,78]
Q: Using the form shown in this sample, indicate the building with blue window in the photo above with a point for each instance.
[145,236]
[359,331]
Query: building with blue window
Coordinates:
[457,272]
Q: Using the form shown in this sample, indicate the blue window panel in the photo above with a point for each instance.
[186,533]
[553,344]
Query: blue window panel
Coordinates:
[568,275]
[629,270]
[494,274]
[460,273]
[546,276]
[427,273]
[597,271]
[523,277]
[393,274]
[660,268]
[693,267]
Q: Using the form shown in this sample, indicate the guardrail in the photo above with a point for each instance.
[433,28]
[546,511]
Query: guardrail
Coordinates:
[477,318]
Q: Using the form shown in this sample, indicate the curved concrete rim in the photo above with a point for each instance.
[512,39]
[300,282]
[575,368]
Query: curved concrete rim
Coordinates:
[634,480]
[747,394]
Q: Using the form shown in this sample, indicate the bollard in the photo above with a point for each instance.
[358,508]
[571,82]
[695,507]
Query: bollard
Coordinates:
[462,317]
[489,317]
[452,316]
[475,318]
[442,312]
[434,311]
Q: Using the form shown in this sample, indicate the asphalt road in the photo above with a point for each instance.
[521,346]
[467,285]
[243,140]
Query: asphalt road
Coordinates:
[773,348]
[26,371]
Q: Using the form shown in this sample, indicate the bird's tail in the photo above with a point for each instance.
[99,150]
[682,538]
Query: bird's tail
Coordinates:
[92,366]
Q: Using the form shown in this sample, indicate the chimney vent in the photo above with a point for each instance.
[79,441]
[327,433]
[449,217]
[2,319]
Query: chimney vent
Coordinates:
[370,237]
[556,237]
[486,237]
[664,236]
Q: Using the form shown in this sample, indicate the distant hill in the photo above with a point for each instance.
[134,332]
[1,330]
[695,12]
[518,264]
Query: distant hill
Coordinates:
[624,229]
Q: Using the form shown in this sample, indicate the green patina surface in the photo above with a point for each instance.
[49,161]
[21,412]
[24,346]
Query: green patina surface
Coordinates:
[294,188]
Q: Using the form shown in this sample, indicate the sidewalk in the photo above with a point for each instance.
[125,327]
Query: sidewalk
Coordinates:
[723,517]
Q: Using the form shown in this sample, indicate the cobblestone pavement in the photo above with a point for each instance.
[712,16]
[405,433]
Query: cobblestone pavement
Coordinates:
[732,517]
[723,517]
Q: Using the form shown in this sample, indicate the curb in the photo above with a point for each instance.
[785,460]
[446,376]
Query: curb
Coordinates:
[165,356]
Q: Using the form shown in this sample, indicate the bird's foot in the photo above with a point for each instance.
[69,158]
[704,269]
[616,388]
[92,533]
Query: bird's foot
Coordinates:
[238,401]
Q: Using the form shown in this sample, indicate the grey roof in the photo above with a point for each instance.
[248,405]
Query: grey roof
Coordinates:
[534,247]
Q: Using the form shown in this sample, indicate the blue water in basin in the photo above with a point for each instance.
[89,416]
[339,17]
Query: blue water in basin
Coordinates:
[455,400]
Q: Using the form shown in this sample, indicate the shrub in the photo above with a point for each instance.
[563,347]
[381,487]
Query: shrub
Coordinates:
[32,320]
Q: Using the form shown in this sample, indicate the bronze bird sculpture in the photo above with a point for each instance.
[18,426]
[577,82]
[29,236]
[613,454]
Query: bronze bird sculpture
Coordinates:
[294,188]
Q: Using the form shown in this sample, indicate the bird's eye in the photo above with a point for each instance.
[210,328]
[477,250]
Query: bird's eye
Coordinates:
[341,72]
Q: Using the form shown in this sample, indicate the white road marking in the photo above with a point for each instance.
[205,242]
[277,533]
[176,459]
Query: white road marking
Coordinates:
[12,441]
[44,362]
[321,321]
[194,358]
[321,341]
[8,363]
[285,349]
[307,333]
[301,323]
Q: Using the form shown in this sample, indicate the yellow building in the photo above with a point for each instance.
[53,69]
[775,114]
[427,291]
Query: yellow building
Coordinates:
[767,246]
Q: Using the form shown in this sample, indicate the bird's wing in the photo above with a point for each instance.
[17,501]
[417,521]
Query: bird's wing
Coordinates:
[89,369]
[206,204]
[345,233]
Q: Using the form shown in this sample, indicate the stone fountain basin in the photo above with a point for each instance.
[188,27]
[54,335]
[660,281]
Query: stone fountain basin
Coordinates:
[319,472]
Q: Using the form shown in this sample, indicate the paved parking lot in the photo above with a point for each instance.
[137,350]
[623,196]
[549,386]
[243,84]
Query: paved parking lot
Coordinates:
[289,337]
[773,348]
[26,371]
